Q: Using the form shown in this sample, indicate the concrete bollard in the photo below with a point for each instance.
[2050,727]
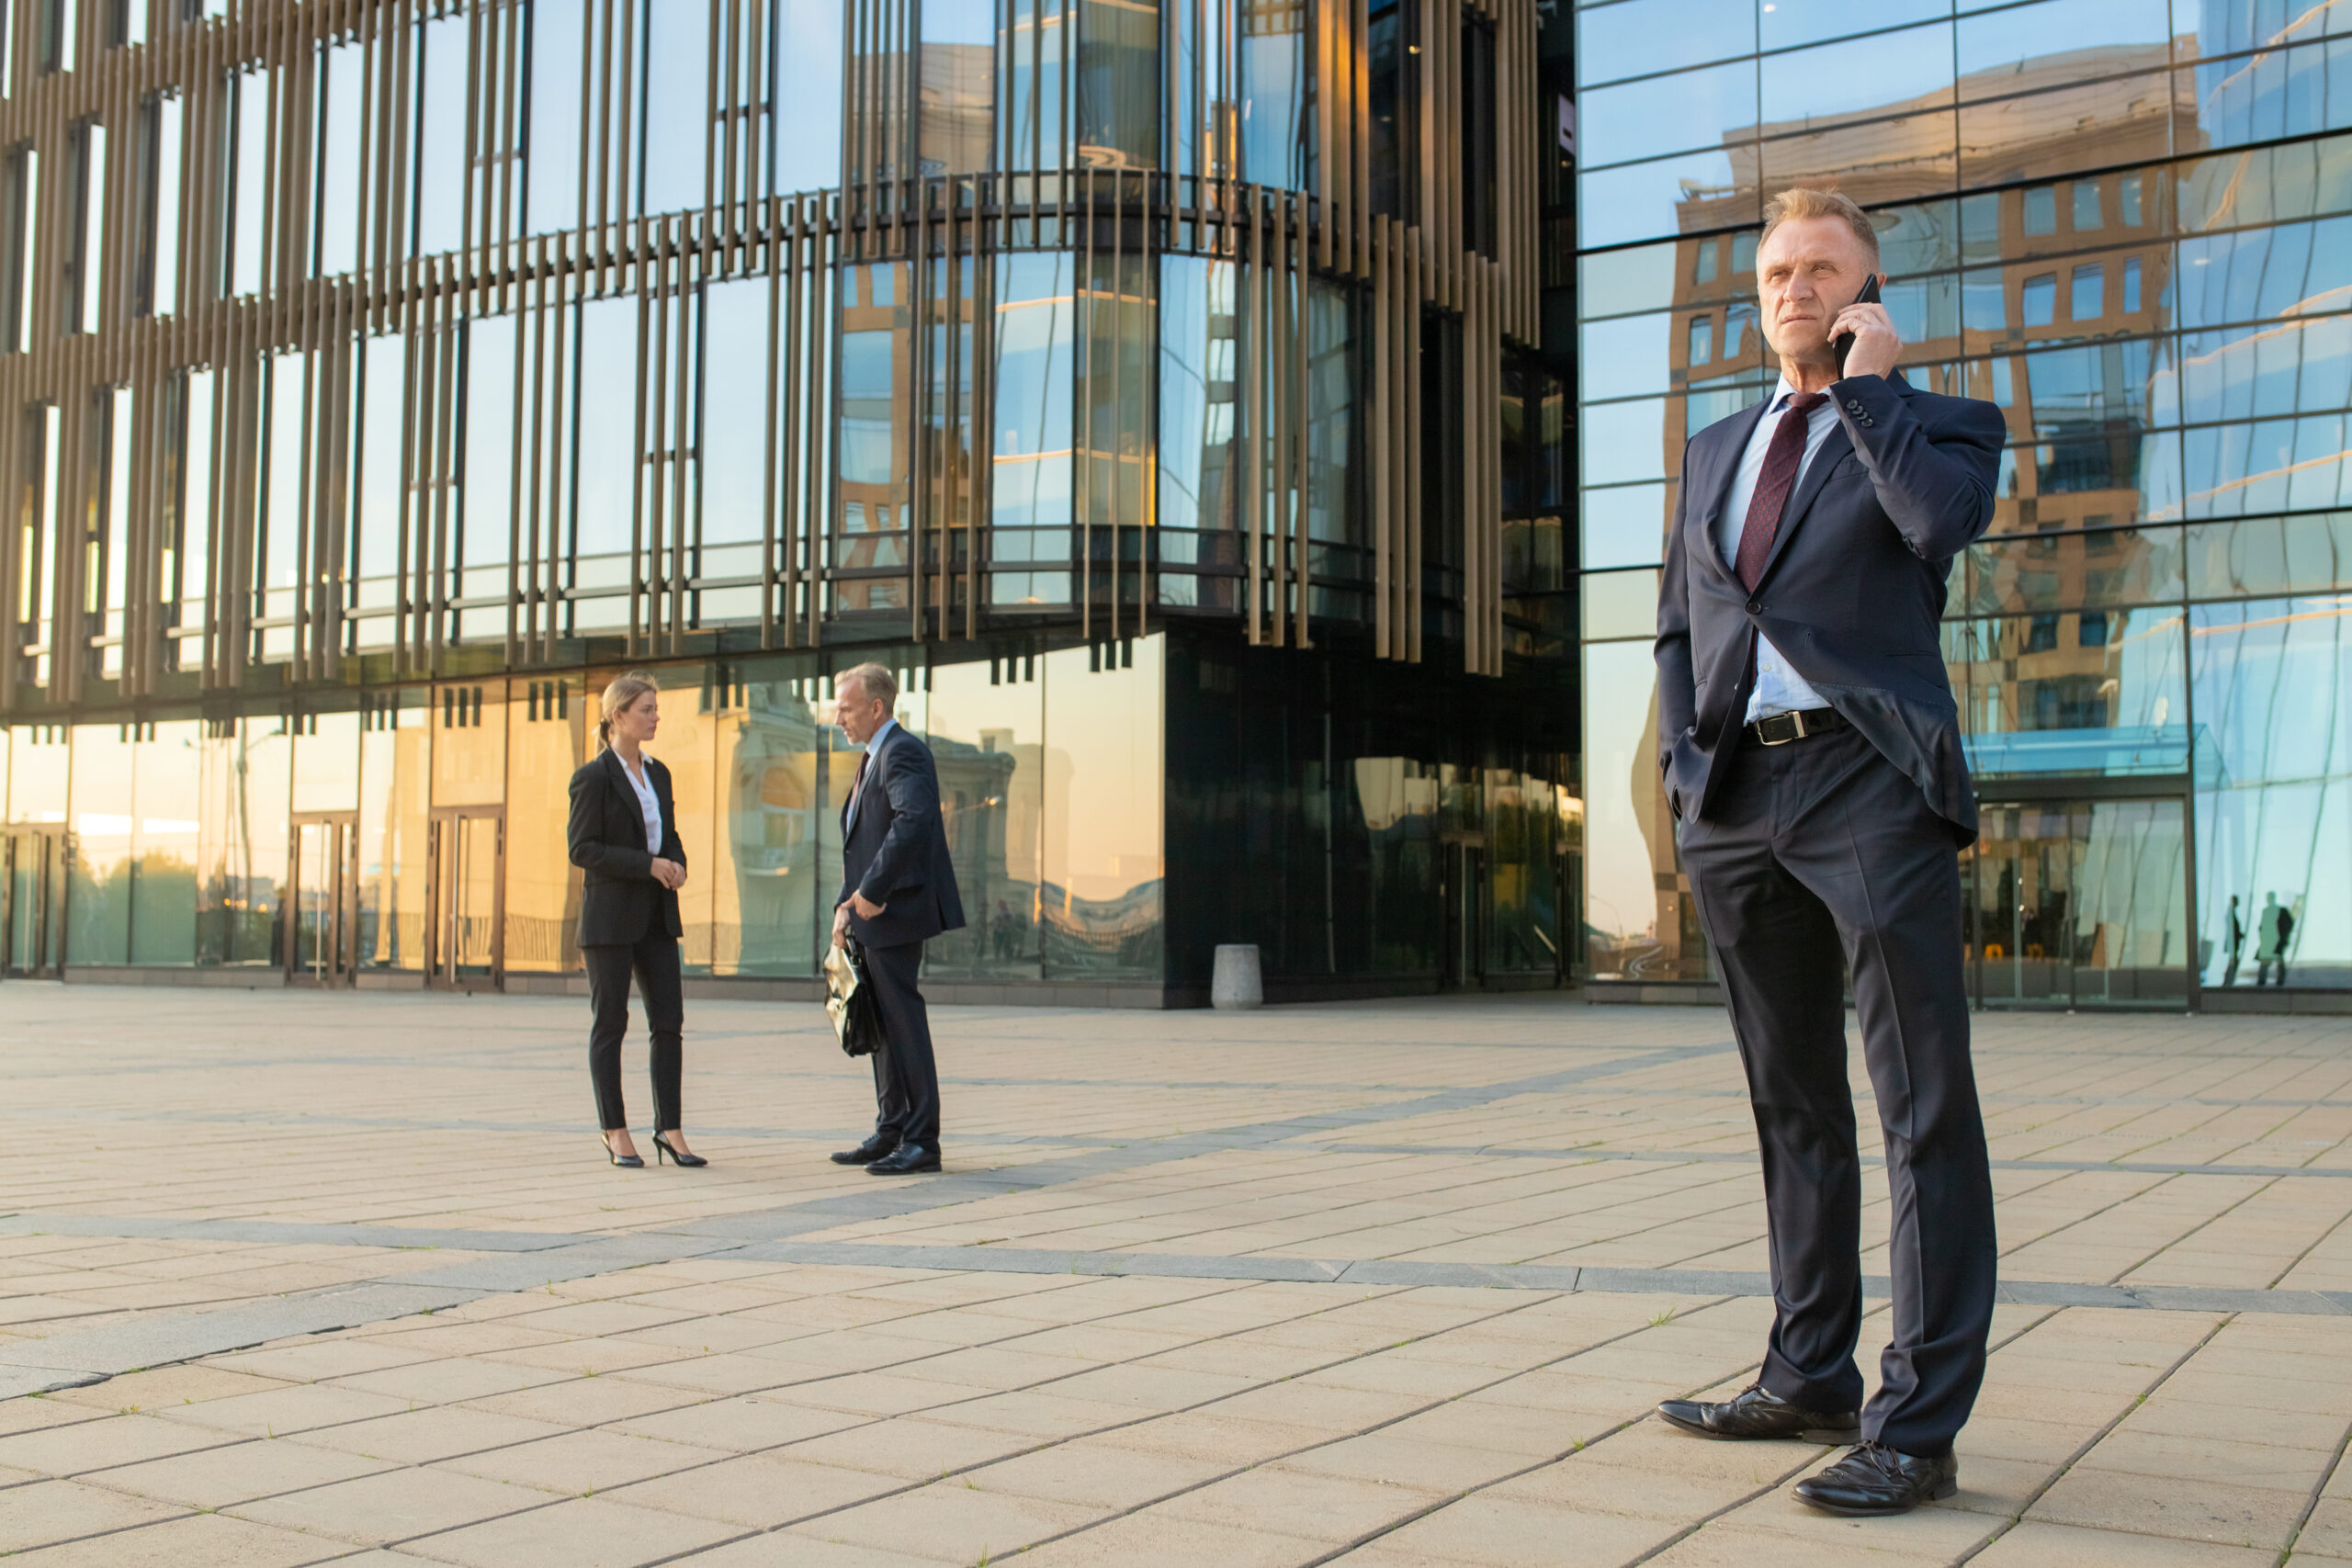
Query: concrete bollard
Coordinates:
[1237,983]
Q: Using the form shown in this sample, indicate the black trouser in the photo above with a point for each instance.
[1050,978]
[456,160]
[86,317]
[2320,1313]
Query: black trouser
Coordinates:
[1815,856]
[654,961]
[905,1078]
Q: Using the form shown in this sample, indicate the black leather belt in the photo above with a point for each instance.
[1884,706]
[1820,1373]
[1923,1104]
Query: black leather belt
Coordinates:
[1783,727]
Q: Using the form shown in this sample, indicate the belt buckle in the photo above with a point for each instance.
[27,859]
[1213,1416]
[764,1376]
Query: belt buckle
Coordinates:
[1797,722]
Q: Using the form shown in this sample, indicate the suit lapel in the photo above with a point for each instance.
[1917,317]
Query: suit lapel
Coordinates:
[617,771]
[1835,447]
[857,793]
[1723,468]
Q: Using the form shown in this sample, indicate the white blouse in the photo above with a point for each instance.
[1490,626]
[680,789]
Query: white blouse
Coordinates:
[647,801]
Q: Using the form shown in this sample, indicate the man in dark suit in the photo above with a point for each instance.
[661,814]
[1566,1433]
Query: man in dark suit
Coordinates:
[1811,757]
[897,891]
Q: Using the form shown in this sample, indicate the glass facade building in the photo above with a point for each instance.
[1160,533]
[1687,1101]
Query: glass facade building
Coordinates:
[2129,224]
[1160,387]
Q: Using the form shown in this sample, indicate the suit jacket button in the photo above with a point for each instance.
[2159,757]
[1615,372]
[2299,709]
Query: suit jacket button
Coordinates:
[1756,606]
[1853,405]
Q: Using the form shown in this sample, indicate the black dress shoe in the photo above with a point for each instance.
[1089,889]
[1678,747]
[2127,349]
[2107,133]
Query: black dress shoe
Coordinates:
[905,1160]
[865,1153]
[1760,1412]
[1875,1480]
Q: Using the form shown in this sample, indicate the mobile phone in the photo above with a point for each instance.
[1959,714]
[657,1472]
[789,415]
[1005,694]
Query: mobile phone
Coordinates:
[1843,345]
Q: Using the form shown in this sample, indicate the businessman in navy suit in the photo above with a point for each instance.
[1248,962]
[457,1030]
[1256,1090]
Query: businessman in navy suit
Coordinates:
[897,891]
[1811,754]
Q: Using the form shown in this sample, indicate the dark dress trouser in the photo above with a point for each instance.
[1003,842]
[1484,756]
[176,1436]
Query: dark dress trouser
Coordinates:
[906,1078]
[653,958]
[1817,855]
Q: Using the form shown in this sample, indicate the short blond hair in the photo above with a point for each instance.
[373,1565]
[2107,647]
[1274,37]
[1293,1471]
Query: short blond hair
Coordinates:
[874,680]
[1803,201]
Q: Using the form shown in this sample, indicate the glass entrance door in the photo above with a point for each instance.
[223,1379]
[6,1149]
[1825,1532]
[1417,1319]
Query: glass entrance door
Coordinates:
[469,897]
[33,903]
[324,900]
[2076,903]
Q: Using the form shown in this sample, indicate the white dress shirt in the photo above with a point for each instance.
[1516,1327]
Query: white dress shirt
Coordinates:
[1779,688]
[640,780]
[872,749]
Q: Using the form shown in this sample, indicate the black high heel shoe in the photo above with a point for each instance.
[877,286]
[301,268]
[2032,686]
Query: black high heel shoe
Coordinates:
[626,1162]
[662,1146]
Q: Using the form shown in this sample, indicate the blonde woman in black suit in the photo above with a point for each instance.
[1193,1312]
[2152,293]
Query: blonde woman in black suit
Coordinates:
[624,834]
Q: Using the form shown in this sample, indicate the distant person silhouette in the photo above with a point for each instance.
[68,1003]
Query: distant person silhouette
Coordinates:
[2237,943]
[2276,929]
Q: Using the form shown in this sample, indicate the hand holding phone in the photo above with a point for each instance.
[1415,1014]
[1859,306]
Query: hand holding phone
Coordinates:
[1843,343]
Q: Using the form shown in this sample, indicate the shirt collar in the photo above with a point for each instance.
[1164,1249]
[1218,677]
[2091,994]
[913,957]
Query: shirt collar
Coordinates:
[1782,394]
[873,741]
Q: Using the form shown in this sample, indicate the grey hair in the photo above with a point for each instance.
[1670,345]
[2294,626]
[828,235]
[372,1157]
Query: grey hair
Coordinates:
[1804,201]
[875,682]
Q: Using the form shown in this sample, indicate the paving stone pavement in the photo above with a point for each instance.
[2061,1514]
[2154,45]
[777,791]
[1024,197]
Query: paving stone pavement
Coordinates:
[291,1278]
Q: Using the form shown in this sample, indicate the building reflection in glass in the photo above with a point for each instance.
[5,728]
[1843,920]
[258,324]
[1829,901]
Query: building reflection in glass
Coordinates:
[2126,225]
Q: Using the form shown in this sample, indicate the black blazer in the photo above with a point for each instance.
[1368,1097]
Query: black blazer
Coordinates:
[621,902]
[895,849]
[1852,593]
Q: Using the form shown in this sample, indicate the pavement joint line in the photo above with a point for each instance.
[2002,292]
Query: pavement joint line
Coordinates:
[1727,1156]
[2083,1451]
[160,1338]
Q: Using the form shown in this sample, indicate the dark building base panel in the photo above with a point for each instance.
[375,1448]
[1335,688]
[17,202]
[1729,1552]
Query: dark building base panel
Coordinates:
[1655,993]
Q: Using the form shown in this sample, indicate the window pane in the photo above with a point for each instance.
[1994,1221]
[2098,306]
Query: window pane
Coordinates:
[1861,78]
[1101,904]
[163,894]
[164,237]
[677,106]
[2280,91]
[2057,40]
[2100,692]
[1667,113]
[735,412]
[2069,571]
[342,89]
[441,136]
[1640,922]
[1787,23]
[1669,196]
[249,177]
[98,906]
[1641,37]
[985,728]
[551,169]
[2274,806]
[604,476]
[2278,465]
[2307,553]
[2290,269]
[485,495]
[1624,525]
[2289,368]
[2055,132]
[1623,442]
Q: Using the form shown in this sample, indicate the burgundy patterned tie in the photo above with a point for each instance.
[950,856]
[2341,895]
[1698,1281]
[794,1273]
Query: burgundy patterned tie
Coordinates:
[1782,460]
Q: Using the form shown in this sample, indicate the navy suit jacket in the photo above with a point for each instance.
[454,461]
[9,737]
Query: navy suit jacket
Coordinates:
[895,849]
[1852,593]
[620,902]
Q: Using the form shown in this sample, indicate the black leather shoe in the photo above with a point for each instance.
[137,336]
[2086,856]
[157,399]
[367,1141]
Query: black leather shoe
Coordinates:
[905,1160]
[1760,1412]
[865,1153]
[1874,1480]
